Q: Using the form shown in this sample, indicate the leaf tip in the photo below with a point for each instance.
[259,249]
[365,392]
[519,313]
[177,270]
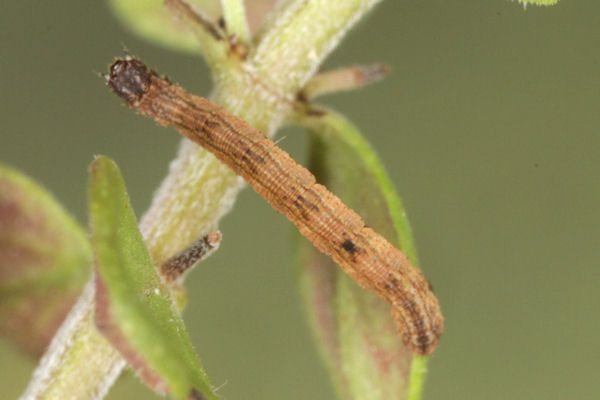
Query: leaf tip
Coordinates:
[537,2]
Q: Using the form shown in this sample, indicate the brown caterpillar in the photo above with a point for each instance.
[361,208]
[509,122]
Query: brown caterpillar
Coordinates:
[292,190]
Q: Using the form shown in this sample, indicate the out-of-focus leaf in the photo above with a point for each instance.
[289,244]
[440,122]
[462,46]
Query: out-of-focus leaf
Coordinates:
[45,260]
[152,21]
[539,2]
[359,341]
[134,308]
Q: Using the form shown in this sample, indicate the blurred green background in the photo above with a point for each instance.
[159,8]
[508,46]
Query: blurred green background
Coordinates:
[489,125]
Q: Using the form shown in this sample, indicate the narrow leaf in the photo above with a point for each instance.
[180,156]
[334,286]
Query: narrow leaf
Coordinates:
[538,2]
[45,260]
[134,308]
[365,355]
[234,14]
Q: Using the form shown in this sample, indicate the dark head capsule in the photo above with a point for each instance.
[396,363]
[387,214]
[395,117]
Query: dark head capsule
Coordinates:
[130,79]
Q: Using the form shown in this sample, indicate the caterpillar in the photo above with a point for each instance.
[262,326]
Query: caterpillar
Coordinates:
[291,189]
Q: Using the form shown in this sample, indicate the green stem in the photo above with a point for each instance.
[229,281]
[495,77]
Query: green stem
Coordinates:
[80,363]
[284,58]
[418,370]
[236,23]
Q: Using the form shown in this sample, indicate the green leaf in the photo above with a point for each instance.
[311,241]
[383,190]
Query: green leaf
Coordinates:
[45,259]
[152,21]
[359,341]
[538,2]
[134,308]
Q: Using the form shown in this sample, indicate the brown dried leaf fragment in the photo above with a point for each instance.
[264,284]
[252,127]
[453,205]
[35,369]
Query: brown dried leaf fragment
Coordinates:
[175,268]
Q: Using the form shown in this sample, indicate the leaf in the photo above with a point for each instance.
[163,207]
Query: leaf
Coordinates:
[358,338]
[45,260]
[538,2]
[134,308]
[150,20]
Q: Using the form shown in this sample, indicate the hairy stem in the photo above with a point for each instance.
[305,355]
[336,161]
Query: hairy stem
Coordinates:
[78,353]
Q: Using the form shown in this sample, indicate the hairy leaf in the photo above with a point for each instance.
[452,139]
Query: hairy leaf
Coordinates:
[45,260]
[134,308]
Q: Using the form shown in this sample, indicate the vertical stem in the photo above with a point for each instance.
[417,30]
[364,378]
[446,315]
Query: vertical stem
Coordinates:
[236,22]
[418,370]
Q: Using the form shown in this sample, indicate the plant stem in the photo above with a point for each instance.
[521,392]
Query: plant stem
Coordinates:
[236,23]
[80,363]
